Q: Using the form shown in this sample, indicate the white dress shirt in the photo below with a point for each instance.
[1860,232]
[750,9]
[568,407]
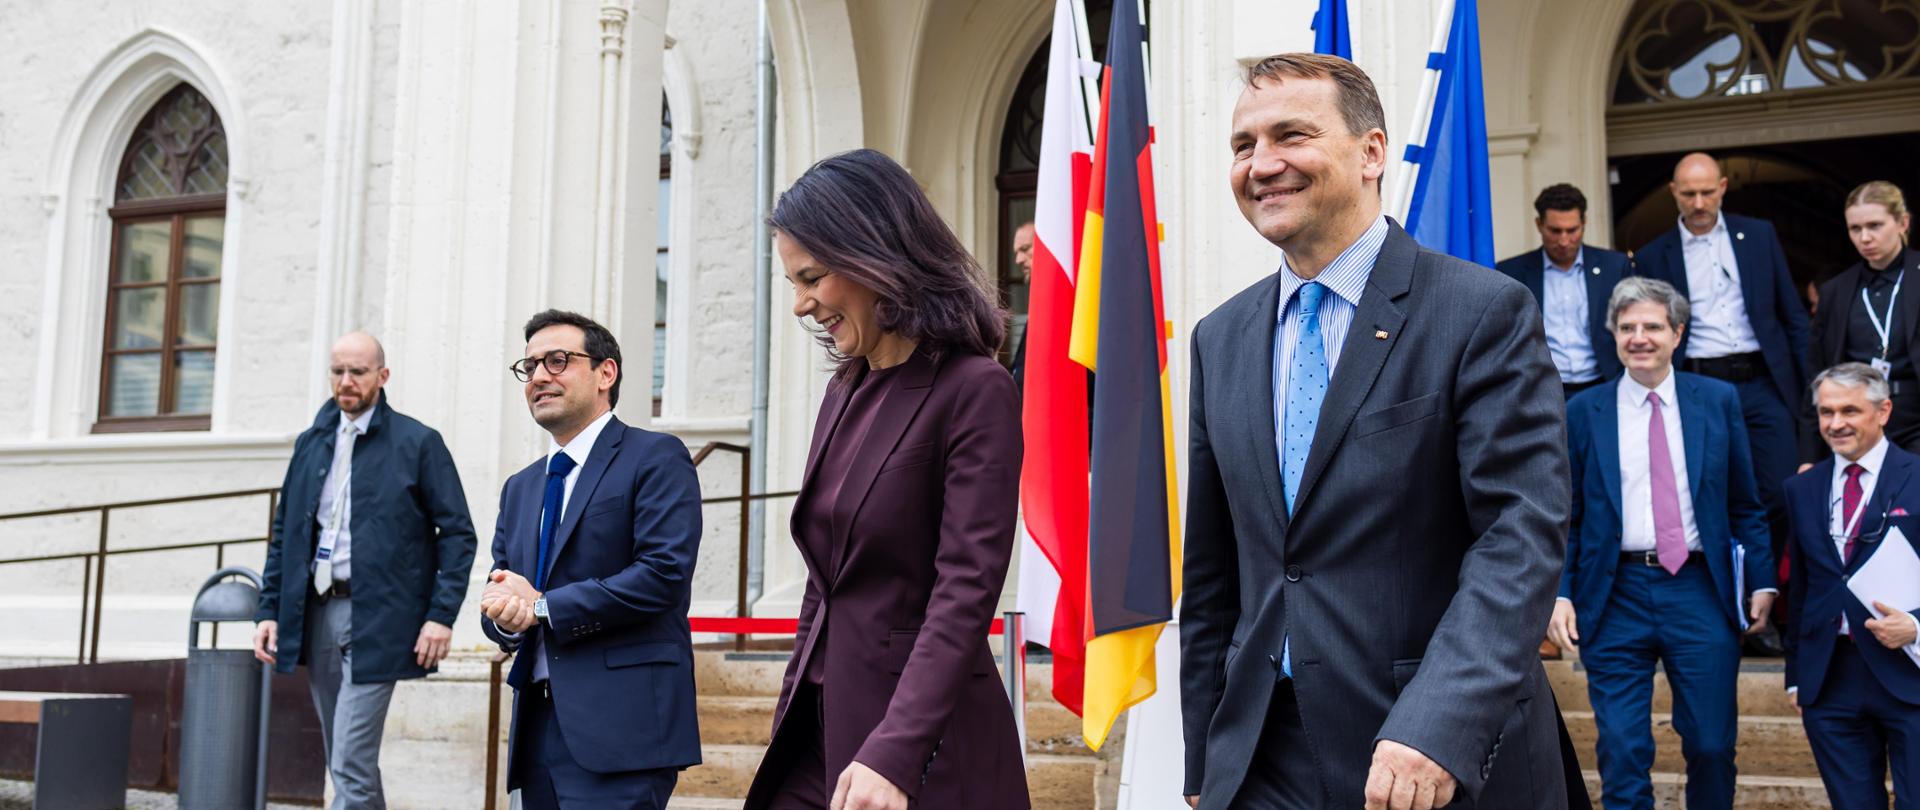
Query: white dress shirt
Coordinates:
[1636,472]
[1720,325]
[335,488]
[578,450]
[1564,309]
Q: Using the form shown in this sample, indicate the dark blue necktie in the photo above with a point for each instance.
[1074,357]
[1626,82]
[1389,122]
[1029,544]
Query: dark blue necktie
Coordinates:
[557,469]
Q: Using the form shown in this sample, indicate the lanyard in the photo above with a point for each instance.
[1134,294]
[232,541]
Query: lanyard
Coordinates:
[1880,327]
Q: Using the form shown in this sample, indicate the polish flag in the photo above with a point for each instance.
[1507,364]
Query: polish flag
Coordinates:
[1054,412]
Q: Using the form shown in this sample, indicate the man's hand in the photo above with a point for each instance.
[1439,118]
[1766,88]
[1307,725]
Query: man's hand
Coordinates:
[1194,802]
[266,641]
[508,612]
[862,788]
[1895,630]
[1757,612]
[1563,629]
[1803,468]
[1405,779]
[507,583]
[431,648]
[1793,697]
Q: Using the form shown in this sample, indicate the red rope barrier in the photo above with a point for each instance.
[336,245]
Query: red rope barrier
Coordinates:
[758,626]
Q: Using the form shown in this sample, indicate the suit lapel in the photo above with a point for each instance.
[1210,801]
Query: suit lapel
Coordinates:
[604,449]
[521,554]
[1599,288]
[896,412]
[1365,352]
[1693,432]
[1676,259]
[1533,270]
[1750,257]
[1606,436]
[1253,360]
[1909,303]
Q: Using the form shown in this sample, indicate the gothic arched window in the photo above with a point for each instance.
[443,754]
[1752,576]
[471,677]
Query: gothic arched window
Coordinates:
[1684,50]
[163,284]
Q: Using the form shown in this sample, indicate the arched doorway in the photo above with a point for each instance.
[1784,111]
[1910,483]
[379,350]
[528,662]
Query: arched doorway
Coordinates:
[1801,100]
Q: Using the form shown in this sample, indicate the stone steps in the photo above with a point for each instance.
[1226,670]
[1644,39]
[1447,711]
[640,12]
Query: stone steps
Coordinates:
[739,693]
[1749,793]
[1760,689]
[1770,746]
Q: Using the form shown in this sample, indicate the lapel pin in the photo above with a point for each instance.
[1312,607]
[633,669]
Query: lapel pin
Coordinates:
[1740,235]
[1379,334]
[1596,271]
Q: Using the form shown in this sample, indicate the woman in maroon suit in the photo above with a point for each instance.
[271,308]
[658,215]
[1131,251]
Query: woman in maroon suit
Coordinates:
[905,517]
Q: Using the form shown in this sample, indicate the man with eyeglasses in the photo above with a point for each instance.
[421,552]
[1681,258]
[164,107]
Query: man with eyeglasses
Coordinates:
[1667,558]
[1849,673]
[367,566]
[593,561]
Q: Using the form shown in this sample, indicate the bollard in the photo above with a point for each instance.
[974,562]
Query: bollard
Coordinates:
[1013,642]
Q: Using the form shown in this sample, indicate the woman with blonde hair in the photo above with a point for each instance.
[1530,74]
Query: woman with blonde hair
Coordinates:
[1868,315]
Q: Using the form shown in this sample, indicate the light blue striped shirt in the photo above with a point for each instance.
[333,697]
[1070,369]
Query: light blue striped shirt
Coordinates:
[1564,311]
[1346,278]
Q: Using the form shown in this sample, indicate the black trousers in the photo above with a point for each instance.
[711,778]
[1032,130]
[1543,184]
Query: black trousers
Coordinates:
[1281,775]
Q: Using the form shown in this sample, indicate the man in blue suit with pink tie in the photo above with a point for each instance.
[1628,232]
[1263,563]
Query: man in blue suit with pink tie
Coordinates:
[1667,546]
[1857,690]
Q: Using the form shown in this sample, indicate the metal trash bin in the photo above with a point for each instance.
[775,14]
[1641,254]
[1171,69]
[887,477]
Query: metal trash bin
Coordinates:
[223,725]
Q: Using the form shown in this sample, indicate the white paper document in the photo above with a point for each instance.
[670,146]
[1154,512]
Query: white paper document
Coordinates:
[1891,577]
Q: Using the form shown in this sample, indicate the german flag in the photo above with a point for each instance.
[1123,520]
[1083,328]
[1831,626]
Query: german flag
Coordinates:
[1120,331]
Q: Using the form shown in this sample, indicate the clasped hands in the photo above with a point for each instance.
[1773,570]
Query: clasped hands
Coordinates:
[508,601]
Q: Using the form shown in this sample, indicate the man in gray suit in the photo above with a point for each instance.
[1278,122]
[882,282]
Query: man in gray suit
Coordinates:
[1378,493]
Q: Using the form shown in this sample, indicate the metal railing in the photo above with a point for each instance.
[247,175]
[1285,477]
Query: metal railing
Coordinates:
[93,564]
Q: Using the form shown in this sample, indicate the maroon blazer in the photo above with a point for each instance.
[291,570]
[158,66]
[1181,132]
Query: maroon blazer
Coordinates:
[909,688]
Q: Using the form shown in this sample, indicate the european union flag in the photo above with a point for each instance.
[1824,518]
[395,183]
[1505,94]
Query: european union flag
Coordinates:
[1330,30]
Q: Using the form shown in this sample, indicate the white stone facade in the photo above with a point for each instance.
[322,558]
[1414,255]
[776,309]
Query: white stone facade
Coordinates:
[436,170]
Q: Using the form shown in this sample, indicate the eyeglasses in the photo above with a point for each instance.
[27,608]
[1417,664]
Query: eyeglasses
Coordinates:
[555,361]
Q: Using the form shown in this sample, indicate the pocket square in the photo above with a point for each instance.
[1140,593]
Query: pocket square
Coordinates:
[1897,512]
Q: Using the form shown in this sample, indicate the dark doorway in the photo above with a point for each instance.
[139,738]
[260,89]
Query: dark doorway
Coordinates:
[1800,187]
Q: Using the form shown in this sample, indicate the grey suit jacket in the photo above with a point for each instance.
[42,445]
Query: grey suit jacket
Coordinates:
[1419,569]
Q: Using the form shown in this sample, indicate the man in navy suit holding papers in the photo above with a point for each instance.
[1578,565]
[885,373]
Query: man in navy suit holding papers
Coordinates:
[1852,675]
[1668,541]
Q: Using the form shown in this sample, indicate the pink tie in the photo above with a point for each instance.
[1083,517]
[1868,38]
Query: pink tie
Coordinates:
[1669,537]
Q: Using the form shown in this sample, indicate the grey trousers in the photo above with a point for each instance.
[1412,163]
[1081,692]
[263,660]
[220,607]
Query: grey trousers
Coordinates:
[352,715]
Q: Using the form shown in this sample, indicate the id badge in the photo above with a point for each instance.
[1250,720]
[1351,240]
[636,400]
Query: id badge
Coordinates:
[1881,365]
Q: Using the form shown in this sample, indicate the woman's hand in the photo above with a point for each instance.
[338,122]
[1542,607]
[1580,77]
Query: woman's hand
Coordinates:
[861,788]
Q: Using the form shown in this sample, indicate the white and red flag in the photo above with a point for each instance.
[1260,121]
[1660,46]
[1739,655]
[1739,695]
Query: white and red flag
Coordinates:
[1053,477]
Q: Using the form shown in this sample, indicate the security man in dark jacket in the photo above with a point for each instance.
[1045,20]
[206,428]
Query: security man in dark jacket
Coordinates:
[371,551]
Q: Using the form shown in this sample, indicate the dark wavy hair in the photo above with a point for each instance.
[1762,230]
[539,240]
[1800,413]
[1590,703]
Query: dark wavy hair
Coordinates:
[1561,197]
[862,216]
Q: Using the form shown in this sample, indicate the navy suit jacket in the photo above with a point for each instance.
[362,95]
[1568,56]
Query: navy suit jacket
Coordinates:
[1819,586]
[619,653]
[1773,307]
[1726,503]
[1602,270]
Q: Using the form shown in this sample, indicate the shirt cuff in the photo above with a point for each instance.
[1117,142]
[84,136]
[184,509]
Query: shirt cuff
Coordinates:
[1563,599]
[1914,648]
[1766,590]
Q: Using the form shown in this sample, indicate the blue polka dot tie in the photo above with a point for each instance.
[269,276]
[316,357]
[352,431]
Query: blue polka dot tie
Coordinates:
[1306,389]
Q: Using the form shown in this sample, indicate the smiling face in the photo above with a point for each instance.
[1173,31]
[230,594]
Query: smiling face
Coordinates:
[567,402]
[846,309]
[1876,233]
[1646,341]
[1299,176]
[1560,234]
[1850,423]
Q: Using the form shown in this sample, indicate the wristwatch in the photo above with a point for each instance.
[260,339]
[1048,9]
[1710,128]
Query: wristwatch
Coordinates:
[540,609]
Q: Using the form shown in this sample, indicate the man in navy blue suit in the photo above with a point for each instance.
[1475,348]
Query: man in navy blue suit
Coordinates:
[1571,280]
[1857,692]
[1666,548]
[1748,328]
[593,556]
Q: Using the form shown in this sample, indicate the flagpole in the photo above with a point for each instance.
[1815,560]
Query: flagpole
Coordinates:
[1089,79]
[1423,115]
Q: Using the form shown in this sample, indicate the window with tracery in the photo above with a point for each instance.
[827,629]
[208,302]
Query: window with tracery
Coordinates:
[163,285]
[1686,50]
